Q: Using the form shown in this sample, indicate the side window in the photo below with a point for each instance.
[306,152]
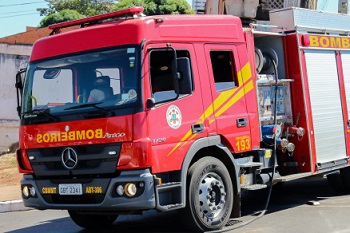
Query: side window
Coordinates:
[163,85]
[223,70]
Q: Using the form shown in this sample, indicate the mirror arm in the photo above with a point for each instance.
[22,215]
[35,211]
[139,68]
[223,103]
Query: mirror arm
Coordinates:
[19,87]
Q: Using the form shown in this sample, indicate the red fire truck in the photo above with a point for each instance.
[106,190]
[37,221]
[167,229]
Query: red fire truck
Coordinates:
[130,113]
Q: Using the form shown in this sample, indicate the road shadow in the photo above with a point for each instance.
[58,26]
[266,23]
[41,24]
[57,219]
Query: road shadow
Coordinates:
[150,221]
[288,195]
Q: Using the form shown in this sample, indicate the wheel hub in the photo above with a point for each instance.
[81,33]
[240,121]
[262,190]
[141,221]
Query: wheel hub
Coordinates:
[212,195]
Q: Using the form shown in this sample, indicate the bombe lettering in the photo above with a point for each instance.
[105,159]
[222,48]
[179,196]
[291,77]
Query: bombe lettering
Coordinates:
[329,42]
[75,135]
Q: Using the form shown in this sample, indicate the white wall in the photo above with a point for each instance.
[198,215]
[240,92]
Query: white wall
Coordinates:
[12,58]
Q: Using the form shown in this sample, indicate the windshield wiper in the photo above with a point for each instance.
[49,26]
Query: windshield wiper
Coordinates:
[94,105]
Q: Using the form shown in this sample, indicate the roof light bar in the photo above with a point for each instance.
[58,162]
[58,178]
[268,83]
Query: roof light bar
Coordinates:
[132,10]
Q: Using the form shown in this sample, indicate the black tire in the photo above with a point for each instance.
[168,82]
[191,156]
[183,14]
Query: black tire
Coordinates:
[209,199]
[336,181]
[90,220]
[345,174]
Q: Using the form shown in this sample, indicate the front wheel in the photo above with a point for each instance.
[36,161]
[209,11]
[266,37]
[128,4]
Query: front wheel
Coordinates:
[92,220]
[209,195]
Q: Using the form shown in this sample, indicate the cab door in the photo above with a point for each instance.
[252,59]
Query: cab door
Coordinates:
[174,117]
[231,89]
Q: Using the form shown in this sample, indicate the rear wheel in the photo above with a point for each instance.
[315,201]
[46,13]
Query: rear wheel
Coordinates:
[336,182]
[209,195]
[91,220]
[345,174]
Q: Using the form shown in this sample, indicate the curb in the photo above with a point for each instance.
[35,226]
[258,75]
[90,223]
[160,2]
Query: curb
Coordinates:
[10,206]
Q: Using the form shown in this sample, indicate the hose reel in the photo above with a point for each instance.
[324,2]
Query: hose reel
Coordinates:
[264,60]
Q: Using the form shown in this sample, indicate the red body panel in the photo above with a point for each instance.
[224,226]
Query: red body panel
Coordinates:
[302,150]
[73,42]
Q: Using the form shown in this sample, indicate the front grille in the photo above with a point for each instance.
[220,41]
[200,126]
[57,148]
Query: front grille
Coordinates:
[92,159]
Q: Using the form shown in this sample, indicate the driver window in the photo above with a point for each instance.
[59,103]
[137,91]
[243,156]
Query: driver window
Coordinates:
[161,75]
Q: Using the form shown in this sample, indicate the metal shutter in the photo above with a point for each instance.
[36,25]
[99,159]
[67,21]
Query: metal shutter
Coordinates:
[326,105]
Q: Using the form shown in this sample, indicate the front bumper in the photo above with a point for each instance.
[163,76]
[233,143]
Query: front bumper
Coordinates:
[98,193]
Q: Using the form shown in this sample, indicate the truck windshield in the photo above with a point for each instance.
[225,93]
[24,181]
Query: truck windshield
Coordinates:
[100,81]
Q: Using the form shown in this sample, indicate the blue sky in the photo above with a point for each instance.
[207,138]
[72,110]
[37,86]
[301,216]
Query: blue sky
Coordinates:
[15,15]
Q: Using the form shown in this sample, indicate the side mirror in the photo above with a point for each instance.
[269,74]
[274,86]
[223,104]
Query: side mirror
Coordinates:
[19,86]
[150,103]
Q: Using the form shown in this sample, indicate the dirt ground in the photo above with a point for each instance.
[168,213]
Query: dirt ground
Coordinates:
[9,174]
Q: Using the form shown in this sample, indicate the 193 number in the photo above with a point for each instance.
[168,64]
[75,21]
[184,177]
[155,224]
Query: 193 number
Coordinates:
[243,144]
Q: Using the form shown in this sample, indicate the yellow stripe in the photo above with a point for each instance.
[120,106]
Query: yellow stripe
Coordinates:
[207,113]
[220,100]
[232,101]
[248,87]
[244,74]
[177,145]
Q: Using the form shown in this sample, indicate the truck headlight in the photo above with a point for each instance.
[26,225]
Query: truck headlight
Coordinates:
[130,189]
[25,191]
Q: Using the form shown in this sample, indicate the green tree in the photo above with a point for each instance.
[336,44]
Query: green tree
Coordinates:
[65,10]
[84,7]
[158,7]
[62,16]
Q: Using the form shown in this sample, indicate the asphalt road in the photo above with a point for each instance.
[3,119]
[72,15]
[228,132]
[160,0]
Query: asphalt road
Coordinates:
[308,205]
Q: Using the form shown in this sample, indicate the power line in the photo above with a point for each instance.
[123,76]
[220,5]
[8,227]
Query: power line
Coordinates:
[20,4]
[15,12]
[11,16]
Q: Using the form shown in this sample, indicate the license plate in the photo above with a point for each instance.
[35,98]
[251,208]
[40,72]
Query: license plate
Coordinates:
[70,189]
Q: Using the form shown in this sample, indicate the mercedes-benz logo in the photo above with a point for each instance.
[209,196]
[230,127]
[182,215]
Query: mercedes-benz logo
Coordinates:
[69,158]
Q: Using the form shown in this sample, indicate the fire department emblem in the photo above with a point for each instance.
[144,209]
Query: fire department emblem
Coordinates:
[174,117]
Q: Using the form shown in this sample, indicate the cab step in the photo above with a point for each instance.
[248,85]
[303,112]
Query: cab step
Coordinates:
[247,162]
[168,196]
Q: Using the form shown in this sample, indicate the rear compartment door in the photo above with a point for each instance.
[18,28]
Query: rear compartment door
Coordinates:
[326,107]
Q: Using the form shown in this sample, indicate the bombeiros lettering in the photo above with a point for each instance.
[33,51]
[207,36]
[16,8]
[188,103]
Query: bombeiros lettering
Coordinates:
[65,136]
[329,42]
[76,135]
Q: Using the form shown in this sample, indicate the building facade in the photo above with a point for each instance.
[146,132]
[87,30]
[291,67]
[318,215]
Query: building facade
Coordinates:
[12,58]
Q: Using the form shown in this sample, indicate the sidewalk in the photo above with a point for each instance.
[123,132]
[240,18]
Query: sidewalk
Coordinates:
[11,199]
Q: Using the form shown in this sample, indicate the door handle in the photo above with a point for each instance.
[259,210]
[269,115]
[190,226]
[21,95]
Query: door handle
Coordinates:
[197,128]
[242,122]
